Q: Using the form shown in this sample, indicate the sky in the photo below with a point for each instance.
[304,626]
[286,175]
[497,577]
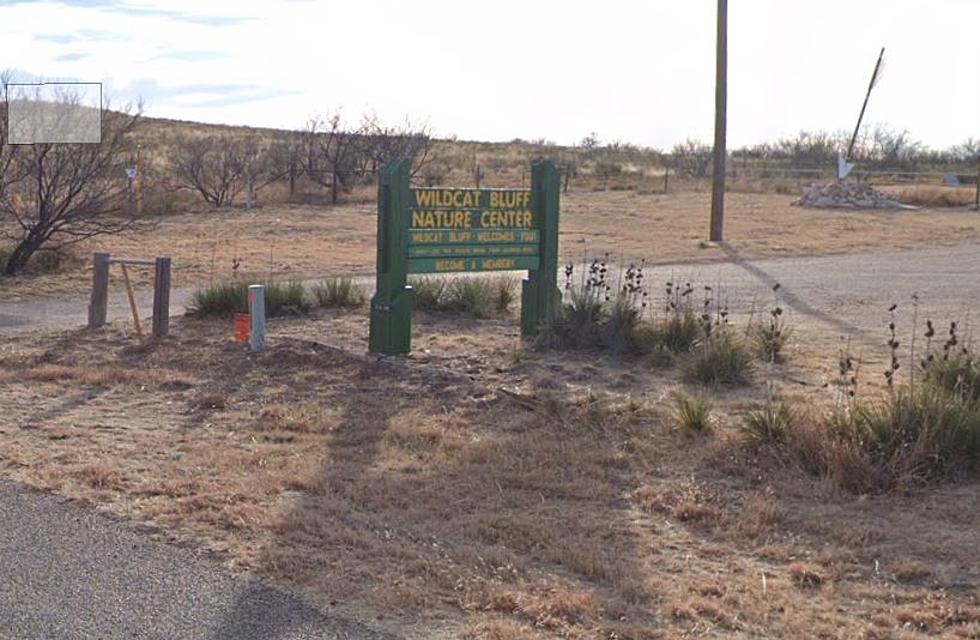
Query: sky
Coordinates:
[638,71]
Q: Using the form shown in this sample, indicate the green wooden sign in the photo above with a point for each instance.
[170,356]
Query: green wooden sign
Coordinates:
[445,230]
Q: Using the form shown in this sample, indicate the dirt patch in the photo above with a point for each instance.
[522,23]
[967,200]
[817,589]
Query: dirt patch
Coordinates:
[481,487]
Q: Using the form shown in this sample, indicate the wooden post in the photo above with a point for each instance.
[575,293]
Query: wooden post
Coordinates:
[140,184]
[666,177]
[721,108]
[100,290]
[161,297]
[132,302]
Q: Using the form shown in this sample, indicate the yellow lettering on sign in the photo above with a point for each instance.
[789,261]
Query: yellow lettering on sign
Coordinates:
[424,198]
[450,265]
[506,219]
[422,238]
[442,219]
[498,263]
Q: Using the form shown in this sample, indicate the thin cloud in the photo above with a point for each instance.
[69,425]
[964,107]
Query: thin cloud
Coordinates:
[201,95]
[190,56]
[70,57]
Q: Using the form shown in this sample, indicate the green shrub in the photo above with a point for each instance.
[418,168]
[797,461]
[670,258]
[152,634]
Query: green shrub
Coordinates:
[577,323]
[693,413]
[770,423]
[722,359]
[282,298]
[473,296]
[338,292]
[220,299]
[478,296]
[225,299]
[429,292]
[955,373]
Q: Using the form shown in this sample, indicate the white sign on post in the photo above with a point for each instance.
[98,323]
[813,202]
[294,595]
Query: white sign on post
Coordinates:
[131,173]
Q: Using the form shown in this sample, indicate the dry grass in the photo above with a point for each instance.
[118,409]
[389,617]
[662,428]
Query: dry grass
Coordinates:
[423,492]
[935,196]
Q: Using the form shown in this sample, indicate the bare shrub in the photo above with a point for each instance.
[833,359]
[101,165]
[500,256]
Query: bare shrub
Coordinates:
[52,195]
[215,167]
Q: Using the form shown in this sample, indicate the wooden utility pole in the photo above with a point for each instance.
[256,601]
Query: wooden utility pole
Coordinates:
[721,108]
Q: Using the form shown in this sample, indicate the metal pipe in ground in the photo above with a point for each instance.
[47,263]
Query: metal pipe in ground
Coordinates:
[256,312]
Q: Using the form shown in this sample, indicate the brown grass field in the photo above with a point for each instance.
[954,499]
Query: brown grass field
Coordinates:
[484,489]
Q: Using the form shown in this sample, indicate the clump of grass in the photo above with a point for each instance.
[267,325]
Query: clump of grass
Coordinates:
[914,436]
[693,413]
[594,315]
[429,292]
[220,299]
[505,293]
[472,296]
[282,298]
[479,296]
[721,359]
[769,424]
[770,337]
[953,368]
[918,433]
[224,299]
[340,292]
[679,332]
[577,323]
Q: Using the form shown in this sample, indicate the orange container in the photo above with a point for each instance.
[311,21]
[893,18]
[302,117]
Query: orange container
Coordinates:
[242,327]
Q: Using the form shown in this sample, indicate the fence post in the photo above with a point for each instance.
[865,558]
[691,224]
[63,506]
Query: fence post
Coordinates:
[256,314]
[100,290]
[161,298]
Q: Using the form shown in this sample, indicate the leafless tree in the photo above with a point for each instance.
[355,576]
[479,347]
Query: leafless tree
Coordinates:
[332,153]
[381,143]
[216,167]
[284,158]
[693,158]
[56,194]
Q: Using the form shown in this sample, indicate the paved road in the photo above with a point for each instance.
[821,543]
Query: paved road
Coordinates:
[845,293]
[70,572]
[848,294]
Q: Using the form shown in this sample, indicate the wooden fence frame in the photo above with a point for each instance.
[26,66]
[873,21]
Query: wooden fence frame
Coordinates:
[98,305]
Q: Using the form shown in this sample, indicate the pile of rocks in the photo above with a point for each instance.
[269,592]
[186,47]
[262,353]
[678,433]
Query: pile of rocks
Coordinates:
[847,195]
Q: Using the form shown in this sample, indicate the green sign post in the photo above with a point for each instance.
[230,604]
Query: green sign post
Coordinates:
[445,230]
